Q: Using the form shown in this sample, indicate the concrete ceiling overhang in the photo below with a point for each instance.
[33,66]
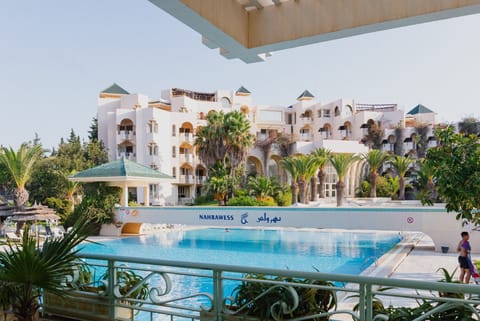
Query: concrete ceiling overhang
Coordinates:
[250,29]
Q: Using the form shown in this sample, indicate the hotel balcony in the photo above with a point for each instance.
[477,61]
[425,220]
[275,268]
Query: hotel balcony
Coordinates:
[125,135]
[185,158]
[187,137]
[186,179]
[306,120]
[127,155]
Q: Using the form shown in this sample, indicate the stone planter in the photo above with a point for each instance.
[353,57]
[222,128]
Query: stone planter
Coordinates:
[80,305]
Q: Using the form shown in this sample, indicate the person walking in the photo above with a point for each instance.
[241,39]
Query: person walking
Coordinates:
[464,258]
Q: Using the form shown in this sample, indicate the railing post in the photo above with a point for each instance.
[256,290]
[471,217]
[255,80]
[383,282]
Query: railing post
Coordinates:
[112,279]
[365,302]
[217,294]
[368,302]
[361,302]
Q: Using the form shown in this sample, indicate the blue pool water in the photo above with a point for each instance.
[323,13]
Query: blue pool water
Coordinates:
[303,250]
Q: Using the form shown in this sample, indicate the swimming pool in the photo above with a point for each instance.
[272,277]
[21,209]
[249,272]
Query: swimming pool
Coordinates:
[308,250]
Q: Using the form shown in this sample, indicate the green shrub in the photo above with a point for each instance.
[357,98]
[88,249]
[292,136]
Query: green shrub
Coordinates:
[284,199]
[386,187]
[62,207]
[204,199]
[266,201]
[242,201]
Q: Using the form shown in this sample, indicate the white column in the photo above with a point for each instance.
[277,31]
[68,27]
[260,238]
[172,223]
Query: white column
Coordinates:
[146,196]
[125,195]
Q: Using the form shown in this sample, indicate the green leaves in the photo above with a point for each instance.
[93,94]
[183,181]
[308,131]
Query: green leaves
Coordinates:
[28,267]
[456,167]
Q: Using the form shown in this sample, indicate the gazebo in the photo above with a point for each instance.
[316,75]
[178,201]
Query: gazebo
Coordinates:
[124,174]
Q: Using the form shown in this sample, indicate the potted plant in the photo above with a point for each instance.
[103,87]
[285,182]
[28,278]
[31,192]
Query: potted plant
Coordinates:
[27,267]
[266,301]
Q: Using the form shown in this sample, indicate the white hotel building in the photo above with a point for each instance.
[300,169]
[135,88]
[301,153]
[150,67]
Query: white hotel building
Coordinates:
[160,133]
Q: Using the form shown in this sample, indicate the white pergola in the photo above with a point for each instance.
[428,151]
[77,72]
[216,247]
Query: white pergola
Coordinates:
[250,29]
[124,174]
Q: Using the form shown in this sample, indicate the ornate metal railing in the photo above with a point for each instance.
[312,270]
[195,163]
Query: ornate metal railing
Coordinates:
[194,291]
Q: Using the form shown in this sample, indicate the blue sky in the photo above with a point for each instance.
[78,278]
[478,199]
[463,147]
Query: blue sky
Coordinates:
[57,55]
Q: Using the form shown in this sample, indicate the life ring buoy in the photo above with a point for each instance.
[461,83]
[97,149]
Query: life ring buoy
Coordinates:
[134,212]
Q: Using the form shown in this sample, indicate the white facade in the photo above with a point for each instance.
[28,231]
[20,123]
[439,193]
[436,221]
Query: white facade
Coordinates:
[161,133]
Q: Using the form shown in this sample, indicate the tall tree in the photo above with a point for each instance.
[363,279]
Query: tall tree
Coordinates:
[456,164]
[225,138]
[322,155]
[93,132]
[421,139]
[289,164]
[306,168]
[425,182]
[469,126]
[375,134]
[341,163]
[375,159]
[398,145]
[19,165]
[401,164]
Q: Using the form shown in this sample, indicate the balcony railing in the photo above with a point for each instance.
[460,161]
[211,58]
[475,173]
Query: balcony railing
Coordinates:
[126,135]
[127,155]
[306,120]
[200,291]
[187,137]
[186,158]
[186,179]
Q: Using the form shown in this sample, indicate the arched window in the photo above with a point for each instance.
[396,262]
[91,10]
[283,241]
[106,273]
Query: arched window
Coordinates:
[226,103]
[337,111]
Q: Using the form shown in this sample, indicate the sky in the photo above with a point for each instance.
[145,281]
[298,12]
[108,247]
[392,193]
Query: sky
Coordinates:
[56,56]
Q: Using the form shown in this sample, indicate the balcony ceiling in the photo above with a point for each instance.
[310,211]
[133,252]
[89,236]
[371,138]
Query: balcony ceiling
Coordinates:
[250,29]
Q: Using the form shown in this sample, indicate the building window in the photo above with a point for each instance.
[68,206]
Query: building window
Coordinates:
[326,113]
[174,172]
[152,126]
[226,102]
[153,149]
[174,130]
[174,152]
[154,166]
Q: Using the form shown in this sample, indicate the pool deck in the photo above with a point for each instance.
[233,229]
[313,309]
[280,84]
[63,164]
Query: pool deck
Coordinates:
[416,259]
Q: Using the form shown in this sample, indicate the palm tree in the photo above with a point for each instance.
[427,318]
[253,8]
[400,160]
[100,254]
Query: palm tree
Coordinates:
[306,167]
[375,158]
[289,164]
[20,166]
[226,139]
[263,187]
[71,188]
[341,163]
[210,140]
[28,267]
[238,138]
[401,165]
[322,155]
[426,182]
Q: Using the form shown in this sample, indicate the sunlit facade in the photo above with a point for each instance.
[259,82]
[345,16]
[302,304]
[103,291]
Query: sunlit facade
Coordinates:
[160,133]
